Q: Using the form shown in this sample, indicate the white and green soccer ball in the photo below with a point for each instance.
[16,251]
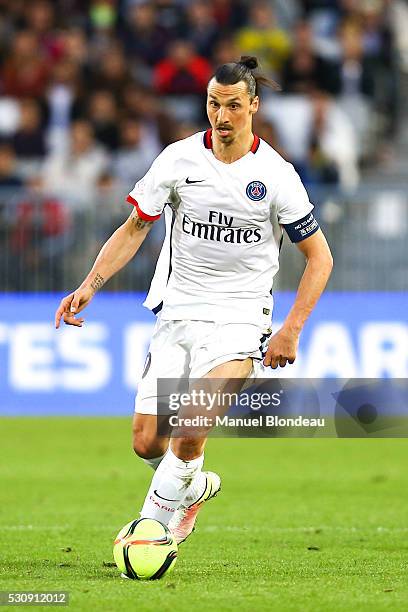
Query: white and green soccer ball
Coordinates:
[145,549]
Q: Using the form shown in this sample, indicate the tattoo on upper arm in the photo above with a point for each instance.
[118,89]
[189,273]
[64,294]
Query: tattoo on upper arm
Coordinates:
[138,222]
[97,282]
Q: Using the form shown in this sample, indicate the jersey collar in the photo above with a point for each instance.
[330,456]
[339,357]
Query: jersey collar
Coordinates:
[208,141]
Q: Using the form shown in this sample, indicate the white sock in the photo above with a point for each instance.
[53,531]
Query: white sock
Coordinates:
[154,463]
[169,486]
[195,490]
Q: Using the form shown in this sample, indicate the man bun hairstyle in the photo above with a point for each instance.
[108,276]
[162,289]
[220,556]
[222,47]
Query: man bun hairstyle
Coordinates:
[243,70]
[250,61]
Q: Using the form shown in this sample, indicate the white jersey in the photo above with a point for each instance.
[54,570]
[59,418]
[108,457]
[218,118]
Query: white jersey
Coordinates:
[223,229]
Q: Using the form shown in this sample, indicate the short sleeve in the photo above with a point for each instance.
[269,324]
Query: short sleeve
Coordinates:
[291,199]
[152,192]
[294,210]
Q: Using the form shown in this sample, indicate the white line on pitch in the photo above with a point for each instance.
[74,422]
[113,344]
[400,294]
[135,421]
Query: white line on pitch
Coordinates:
[379,529]
[235,529]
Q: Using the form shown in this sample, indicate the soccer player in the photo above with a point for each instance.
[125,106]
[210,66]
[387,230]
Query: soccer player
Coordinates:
[227,197]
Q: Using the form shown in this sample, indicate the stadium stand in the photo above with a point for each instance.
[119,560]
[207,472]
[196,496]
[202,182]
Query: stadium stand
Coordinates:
[91,91]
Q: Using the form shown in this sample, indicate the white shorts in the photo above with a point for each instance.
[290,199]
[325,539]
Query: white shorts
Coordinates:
[190,349]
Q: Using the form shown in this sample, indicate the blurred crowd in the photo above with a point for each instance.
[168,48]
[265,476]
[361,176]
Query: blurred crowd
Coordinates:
[92,90]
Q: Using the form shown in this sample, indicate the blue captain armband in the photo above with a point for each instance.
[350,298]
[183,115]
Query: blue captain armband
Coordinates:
[299,230]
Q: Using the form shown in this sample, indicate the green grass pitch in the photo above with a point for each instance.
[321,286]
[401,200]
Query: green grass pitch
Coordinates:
[299,524]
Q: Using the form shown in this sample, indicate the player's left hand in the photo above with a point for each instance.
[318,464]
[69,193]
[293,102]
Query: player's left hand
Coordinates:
[282,348]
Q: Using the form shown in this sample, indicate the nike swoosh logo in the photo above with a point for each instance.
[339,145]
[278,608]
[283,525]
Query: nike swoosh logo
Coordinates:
[192,182]
[165,498]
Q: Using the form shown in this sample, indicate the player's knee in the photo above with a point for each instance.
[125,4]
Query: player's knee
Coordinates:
[140,446]
[145,442]
[143,446]
[148,446]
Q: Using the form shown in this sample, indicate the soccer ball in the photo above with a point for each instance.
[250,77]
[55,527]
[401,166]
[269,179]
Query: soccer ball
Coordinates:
[145,549]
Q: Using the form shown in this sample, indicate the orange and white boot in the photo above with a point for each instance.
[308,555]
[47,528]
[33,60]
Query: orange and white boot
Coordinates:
[183,521]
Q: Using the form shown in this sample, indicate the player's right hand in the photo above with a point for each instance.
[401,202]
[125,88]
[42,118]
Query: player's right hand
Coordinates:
[71,305]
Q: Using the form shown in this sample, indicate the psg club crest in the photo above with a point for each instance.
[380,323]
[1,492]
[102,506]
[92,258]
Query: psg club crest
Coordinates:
[256,191]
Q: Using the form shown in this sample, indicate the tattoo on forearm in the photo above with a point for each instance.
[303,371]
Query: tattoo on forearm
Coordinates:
[97,282]
[138,222]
